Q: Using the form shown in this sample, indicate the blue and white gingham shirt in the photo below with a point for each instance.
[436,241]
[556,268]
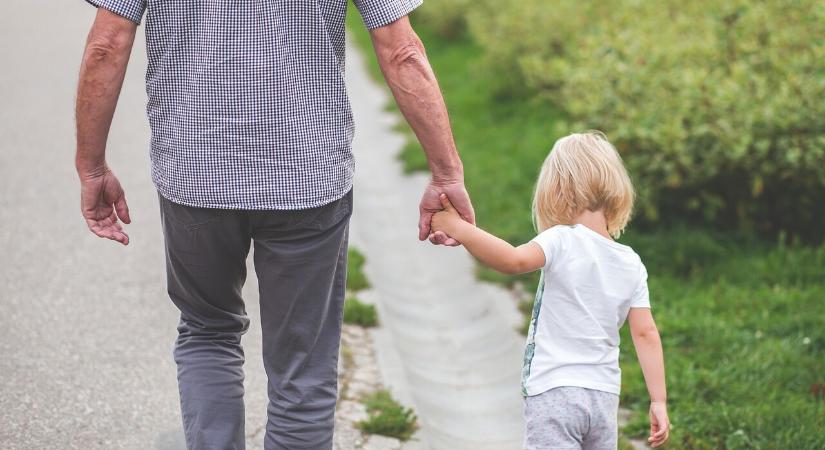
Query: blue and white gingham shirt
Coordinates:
[246,98]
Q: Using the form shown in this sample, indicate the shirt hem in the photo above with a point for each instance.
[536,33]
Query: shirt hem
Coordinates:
[388,15]
[551,384]
[121,10]
[257,207]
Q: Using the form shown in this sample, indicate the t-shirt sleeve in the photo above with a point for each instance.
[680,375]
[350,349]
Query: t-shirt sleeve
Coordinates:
[641,297]
[377,13]
[130,9]
[551,241]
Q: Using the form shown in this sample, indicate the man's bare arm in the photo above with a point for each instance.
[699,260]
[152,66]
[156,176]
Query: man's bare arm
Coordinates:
[101,77]
[408,73]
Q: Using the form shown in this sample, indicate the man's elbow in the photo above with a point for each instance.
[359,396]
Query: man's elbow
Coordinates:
[107,44]
[405,61]
[407,54]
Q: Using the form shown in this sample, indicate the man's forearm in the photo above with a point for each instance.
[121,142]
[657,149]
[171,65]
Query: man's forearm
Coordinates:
[405,66]
[101,77]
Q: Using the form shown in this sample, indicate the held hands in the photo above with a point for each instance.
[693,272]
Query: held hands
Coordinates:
[431,204]
[446,220]
[659,424]
[102,203]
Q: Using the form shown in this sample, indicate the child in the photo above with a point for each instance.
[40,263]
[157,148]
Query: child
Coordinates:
[590,285]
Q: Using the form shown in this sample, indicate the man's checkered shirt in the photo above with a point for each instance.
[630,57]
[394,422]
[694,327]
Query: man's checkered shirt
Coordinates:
[246,98]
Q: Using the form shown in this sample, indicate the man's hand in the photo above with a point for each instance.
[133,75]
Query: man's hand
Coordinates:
[102,202]
[431,204]
[659,424]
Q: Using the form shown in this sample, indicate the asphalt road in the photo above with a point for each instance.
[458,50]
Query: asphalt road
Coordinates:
[86,328]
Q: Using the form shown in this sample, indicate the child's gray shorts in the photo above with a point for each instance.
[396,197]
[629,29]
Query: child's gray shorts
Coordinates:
[571,418]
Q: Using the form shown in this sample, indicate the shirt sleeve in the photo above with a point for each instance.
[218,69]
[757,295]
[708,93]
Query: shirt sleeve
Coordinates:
[551,241]
[377,13]
[130,9]
[641,297]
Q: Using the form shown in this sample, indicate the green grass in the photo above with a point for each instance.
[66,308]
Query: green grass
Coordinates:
[356,280]
[624,444]
[387,417]
[358,313]
[742,320]
[744,338]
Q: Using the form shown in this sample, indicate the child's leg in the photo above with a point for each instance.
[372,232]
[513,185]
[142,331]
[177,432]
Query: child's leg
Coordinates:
[604,425]
[556,419]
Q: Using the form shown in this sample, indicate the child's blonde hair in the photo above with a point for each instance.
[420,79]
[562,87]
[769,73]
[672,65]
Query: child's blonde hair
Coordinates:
[583,172]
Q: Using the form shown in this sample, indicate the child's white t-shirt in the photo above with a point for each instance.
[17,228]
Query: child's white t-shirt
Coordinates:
[589,284]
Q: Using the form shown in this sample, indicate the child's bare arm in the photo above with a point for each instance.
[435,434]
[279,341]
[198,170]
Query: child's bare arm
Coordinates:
[490,250]
[649,350]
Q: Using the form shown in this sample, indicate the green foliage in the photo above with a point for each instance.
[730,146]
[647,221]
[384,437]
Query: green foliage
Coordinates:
[624,444]
[358,313]
[446,18]
[741,319]
[715,106]
[356,280]
[707,257]
[512,32]
[387,417]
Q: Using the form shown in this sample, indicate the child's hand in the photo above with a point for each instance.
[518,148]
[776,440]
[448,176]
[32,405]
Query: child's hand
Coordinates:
[659,424]
[446,219]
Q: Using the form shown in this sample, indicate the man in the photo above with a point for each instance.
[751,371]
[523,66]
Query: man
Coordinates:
[251,143]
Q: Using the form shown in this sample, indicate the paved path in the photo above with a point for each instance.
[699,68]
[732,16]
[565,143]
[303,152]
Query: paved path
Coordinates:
[87,330]
[448,344]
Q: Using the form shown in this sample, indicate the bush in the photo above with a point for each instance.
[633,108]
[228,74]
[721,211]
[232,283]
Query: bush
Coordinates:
[358,313]
[514,31]
[387,417]
[447,18]
[356,280]
[715,106]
